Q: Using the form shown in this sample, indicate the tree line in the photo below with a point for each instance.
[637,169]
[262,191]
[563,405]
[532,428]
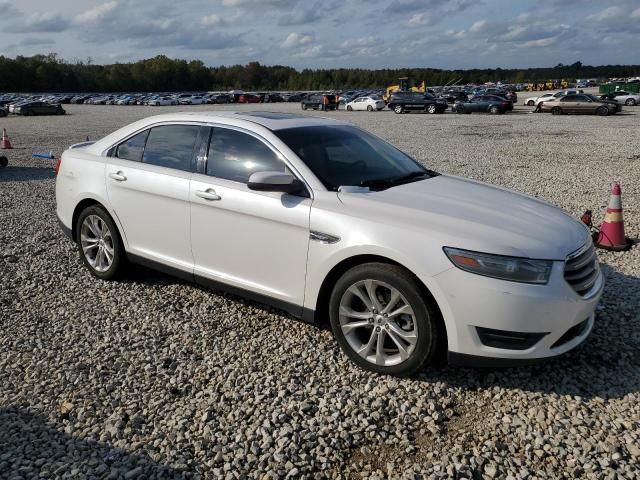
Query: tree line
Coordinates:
[49,73]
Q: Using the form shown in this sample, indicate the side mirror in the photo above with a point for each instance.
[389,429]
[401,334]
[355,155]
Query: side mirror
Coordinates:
[276,182]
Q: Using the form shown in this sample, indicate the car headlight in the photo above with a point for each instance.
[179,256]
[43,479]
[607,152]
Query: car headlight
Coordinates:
[515,269]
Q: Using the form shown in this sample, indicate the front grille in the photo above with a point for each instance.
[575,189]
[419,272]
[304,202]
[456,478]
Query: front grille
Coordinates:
[581,269]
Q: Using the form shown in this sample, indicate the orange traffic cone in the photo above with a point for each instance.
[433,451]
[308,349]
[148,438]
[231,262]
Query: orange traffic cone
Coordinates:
[612,230]
[6,144]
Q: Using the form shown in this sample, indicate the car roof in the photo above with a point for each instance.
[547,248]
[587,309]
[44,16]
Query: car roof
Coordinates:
[270,120]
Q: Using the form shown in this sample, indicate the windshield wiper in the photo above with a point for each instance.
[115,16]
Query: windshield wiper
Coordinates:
[384,183]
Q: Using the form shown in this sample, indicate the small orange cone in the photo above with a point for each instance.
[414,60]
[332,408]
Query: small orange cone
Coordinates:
[612,230]
[6,144]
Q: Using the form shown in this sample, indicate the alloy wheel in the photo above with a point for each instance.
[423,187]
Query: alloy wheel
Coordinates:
[97,243]
[378,322]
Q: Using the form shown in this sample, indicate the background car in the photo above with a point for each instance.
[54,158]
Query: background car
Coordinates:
[623,97]
[248,98]
[162,101]
[401,102]
[485,104]
[38,108]
[319,102]
[578,104]
[365,103]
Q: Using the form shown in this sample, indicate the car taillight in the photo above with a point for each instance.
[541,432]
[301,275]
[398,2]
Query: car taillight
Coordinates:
[57,167]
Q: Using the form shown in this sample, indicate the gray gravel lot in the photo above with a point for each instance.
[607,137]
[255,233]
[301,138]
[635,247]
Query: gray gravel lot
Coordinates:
[155,378]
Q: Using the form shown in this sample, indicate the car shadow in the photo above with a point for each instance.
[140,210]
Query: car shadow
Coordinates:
[611,348]
[39,447]
[25,174]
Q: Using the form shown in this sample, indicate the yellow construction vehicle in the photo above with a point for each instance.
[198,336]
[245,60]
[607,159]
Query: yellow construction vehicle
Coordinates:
[405,84]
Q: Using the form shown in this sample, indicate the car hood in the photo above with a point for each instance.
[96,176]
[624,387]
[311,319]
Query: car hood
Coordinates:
[466,214]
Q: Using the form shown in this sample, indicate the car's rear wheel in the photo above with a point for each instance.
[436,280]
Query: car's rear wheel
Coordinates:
[460,109]
[630,102]
[398,109]
[494,110]
[304,106]
[602,111]
[556,111]
[369,108]
[382,321]
[99,243]
[432,108]
[531,103]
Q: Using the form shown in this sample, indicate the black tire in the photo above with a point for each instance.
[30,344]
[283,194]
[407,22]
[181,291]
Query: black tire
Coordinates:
[119,257]
[398,109]
[460,109]
[630,101]
[432,108]
[4,161]
[602,111]
[369,108]
[304,106]
[494,110]
[531,103]
[349,108]
[426,314]
[59,111]
[556,111]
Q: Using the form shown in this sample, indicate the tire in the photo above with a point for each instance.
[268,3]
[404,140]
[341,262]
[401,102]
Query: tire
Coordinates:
[304,106]
[630,102]
[432,109]
[369,108]
[4,161]
[349,108]
[494,110]
[531,103]
[398,109]
[95,223]
[602,111]
[420,325]
[556,111]
[460,109]
[59,111]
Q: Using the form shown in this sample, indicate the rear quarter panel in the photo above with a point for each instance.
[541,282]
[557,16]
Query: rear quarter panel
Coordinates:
[81,177]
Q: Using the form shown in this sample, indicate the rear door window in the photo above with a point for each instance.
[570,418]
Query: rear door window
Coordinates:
[171,146]
[132,148]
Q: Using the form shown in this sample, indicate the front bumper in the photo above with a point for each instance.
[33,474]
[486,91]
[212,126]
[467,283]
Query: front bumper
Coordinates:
[555,314]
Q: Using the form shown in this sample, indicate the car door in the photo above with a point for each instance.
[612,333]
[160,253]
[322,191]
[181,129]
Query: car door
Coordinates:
[583,104]
[253,241]
[148,179]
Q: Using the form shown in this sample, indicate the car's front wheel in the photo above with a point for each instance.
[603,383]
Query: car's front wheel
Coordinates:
[432,108]
[369,108]
[99,243]
[630,102]
[349,108]
[398,109]
[494,110]
[382,321]
[602,111]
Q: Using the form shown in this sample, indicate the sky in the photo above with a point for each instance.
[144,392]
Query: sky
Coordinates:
[329,33]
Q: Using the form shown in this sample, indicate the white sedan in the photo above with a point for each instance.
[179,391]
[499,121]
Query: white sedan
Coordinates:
[365,103]
[626,98]
[162,101]
[327,221]
[195,100]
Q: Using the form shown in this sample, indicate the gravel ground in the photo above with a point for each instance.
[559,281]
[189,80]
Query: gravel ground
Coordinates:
[155,378]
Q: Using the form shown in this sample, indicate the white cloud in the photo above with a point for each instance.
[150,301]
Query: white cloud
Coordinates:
[97,13]
[478,26]
[420,19]
[295,40]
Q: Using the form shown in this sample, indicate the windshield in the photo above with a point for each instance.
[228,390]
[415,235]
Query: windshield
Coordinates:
[342,155]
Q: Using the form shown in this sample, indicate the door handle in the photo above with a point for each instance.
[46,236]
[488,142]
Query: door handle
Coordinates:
[208,194]
[118,176]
